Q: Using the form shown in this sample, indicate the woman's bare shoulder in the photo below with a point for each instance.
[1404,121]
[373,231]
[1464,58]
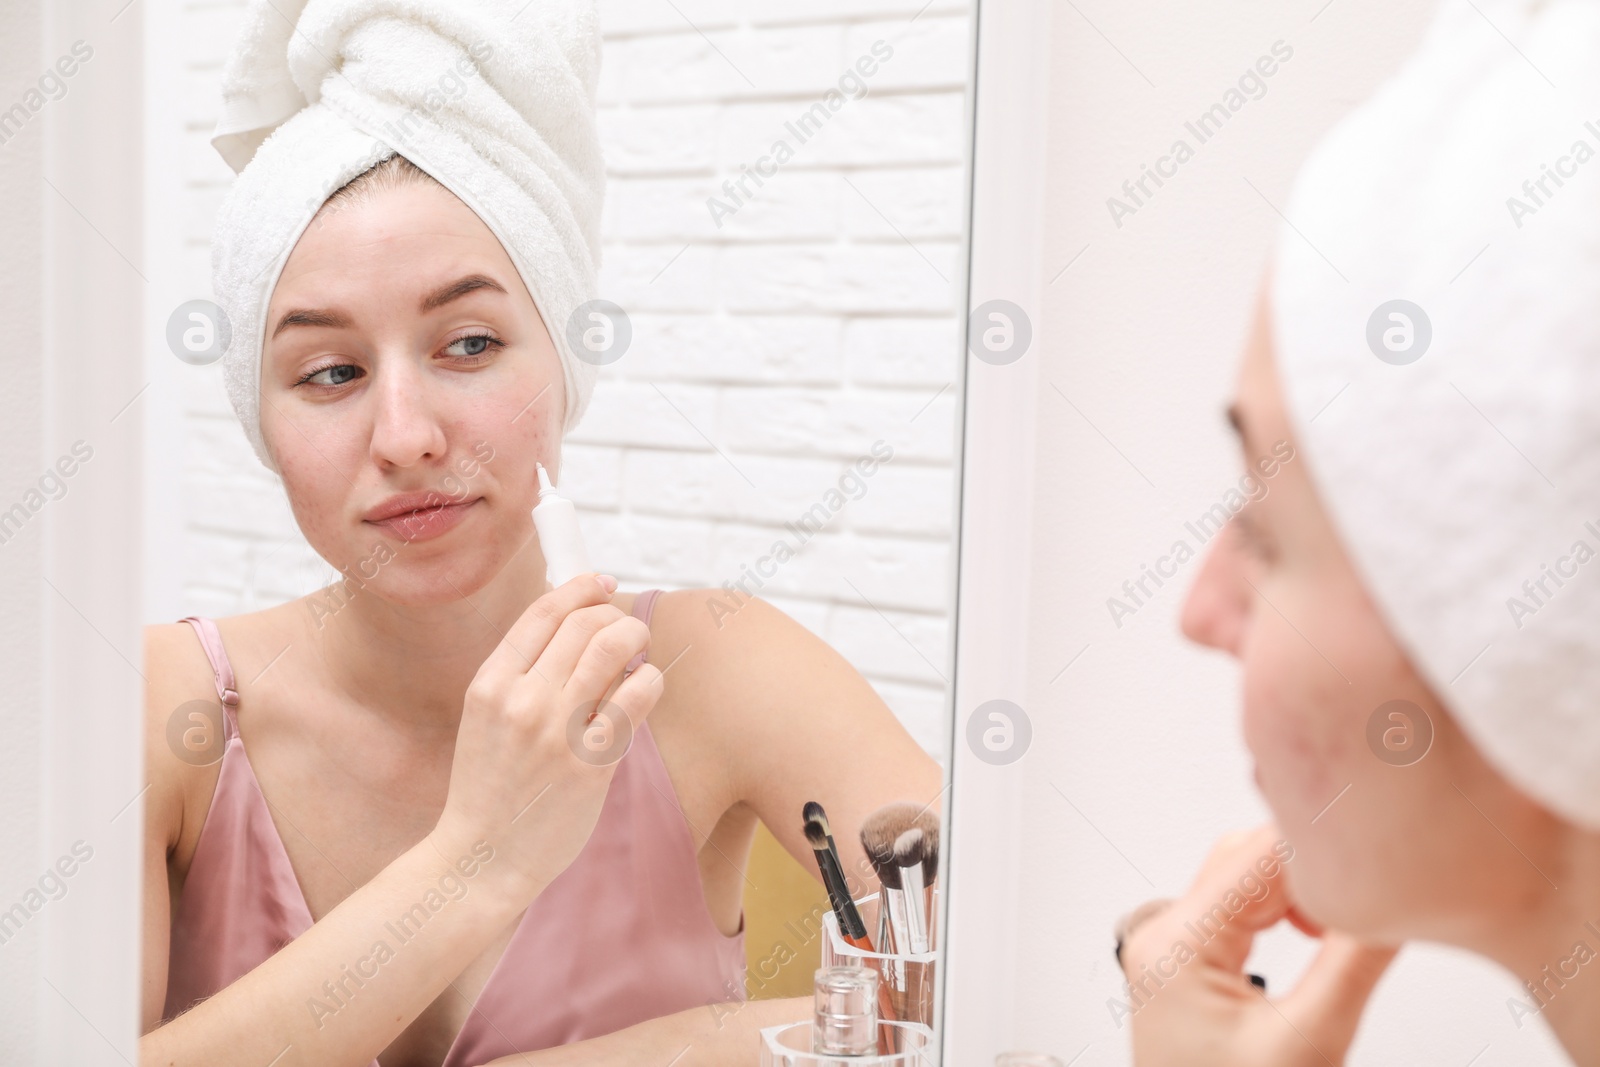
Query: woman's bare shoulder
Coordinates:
[723,650]
[175,659]
[183,718]
[724,620]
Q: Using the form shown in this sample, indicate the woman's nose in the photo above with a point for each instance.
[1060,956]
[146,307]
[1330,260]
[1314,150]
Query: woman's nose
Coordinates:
[406,427]
[1218,604]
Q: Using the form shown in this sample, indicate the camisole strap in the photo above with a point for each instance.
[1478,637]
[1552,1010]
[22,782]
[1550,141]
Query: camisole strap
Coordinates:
[221,669]
[644,605]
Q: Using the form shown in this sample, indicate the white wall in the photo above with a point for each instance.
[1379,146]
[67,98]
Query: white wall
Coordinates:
[21,556]
[70,425]
[768,353]
[1137,765]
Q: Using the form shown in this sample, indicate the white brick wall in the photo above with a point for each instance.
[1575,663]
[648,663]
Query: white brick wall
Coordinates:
[768,353]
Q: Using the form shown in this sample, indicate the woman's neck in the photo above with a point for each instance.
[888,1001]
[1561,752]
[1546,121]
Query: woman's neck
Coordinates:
[413,662]
[1554,949]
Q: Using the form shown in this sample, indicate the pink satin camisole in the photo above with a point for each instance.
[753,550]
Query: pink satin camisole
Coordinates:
[621,936]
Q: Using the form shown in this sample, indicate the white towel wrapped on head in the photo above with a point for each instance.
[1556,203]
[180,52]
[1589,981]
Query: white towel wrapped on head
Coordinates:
[1465,482]
[494,100]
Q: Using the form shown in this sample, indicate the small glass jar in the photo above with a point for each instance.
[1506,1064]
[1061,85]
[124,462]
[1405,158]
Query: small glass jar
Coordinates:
[845,1030]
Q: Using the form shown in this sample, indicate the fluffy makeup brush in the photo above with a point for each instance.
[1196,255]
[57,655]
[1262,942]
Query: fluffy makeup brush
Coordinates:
[878,833]
[909,855]
[928,823]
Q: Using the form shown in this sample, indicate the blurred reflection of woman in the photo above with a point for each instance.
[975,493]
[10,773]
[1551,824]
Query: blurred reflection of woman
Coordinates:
[1416,604]
[425,858]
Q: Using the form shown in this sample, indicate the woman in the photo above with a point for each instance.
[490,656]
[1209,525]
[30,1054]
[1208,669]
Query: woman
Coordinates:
[426,857]
[1412,604]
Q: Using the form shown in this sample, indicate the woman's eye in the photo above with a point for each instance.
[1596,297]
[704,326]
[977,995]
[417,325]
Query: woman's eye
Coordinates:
[472,345]
[341,372]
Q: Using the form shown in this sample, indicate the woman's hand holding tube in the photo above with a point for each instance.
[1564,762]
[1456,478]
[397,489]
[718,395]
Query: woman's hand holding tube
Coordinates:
[544,723]
[1192,1003]
[523,783]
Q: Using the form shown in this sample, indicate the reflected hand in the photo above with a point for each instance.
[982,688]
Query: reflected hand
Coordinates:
[545,721]
[1194,1006]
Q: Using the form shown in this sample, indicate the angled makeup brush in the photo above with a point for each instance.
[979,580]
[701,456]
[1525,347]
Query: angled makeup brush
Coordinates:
[851,928]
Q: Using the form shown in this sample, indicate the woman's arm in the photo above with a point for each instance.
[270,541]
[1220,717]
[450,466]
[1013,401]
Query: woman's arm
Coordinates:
[722,1035]
[790,720]
[267,1012]
[280,1013]
[376,974]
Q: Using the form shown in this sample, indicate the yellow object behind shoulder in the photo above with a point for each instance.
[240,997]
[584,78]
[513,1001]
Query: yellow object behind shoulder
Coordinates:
[784,903]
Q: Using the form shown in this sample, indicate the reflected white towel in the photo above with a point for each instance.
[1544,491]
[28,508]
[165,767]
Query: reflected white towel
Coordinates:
[1466,484]
[495,100]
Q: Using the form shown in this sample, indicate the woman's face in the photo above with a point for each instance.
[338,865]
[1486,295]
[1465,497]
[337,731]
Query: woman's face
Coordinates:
[404,355]
[1393,839]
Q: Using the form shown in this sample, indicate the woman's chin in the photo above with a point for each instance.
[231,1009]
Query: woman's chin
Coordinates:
[419,584]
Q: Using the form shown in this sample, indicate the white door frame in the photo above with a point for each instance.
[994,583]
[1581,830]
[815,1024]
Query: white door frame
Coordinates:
[86,983]
[1010,89]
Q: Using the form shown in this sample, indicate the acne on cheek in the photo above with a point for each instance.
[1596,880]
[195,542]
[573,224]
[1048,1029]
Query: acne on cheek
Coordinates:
[1294,726]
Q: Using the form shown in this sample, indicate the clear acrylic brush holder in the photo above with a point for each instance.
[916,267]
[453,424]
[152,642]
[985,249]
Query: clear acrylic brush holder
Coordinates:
[909,978]
[790,1045]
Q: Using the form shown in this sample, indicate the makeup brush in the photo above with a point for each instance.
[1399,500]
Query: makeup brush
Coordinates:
[851,928]
[916,853]
[878,833]
[908,856]
[928,823]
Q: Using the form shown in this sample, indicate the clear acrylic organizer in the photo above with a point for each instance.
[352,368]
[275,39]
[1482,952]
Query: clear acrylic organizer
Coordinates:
[908,1040]
[910,979]
[790,1046]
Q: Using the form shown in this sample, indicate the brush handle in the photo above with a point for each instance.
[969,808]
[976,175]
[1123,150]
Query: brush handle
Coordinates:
[844,909]
[915,908]
[893,901]
[886,1000]
[849,915]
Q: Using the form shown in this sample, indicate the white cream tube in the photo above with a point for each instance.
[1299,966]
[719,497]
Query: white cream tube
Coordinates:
[556,520]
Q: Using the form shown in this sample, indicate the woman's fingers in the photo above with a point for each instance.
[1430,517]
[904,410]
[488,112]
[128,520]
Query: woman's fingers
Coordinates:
[605,735]
[638,693]
[577,633]
[1327,1004]
[600,662]
[1189,998]
[1240,891]
[523,643]
[1303,924]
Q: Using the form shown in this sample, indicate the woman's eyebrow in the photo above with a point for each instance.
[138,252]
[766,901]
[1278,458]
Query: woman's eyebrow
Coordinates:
[458,289]
[338,320]
[311,317]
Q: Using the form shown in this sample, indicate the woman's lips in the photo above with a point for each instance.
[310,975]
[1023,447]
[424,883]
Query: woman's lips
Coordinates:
[426,523]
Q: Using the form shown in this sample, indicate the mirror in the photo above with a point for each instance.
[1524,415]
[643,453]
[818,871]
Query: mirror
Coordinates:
[1096,473]
[767,464]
